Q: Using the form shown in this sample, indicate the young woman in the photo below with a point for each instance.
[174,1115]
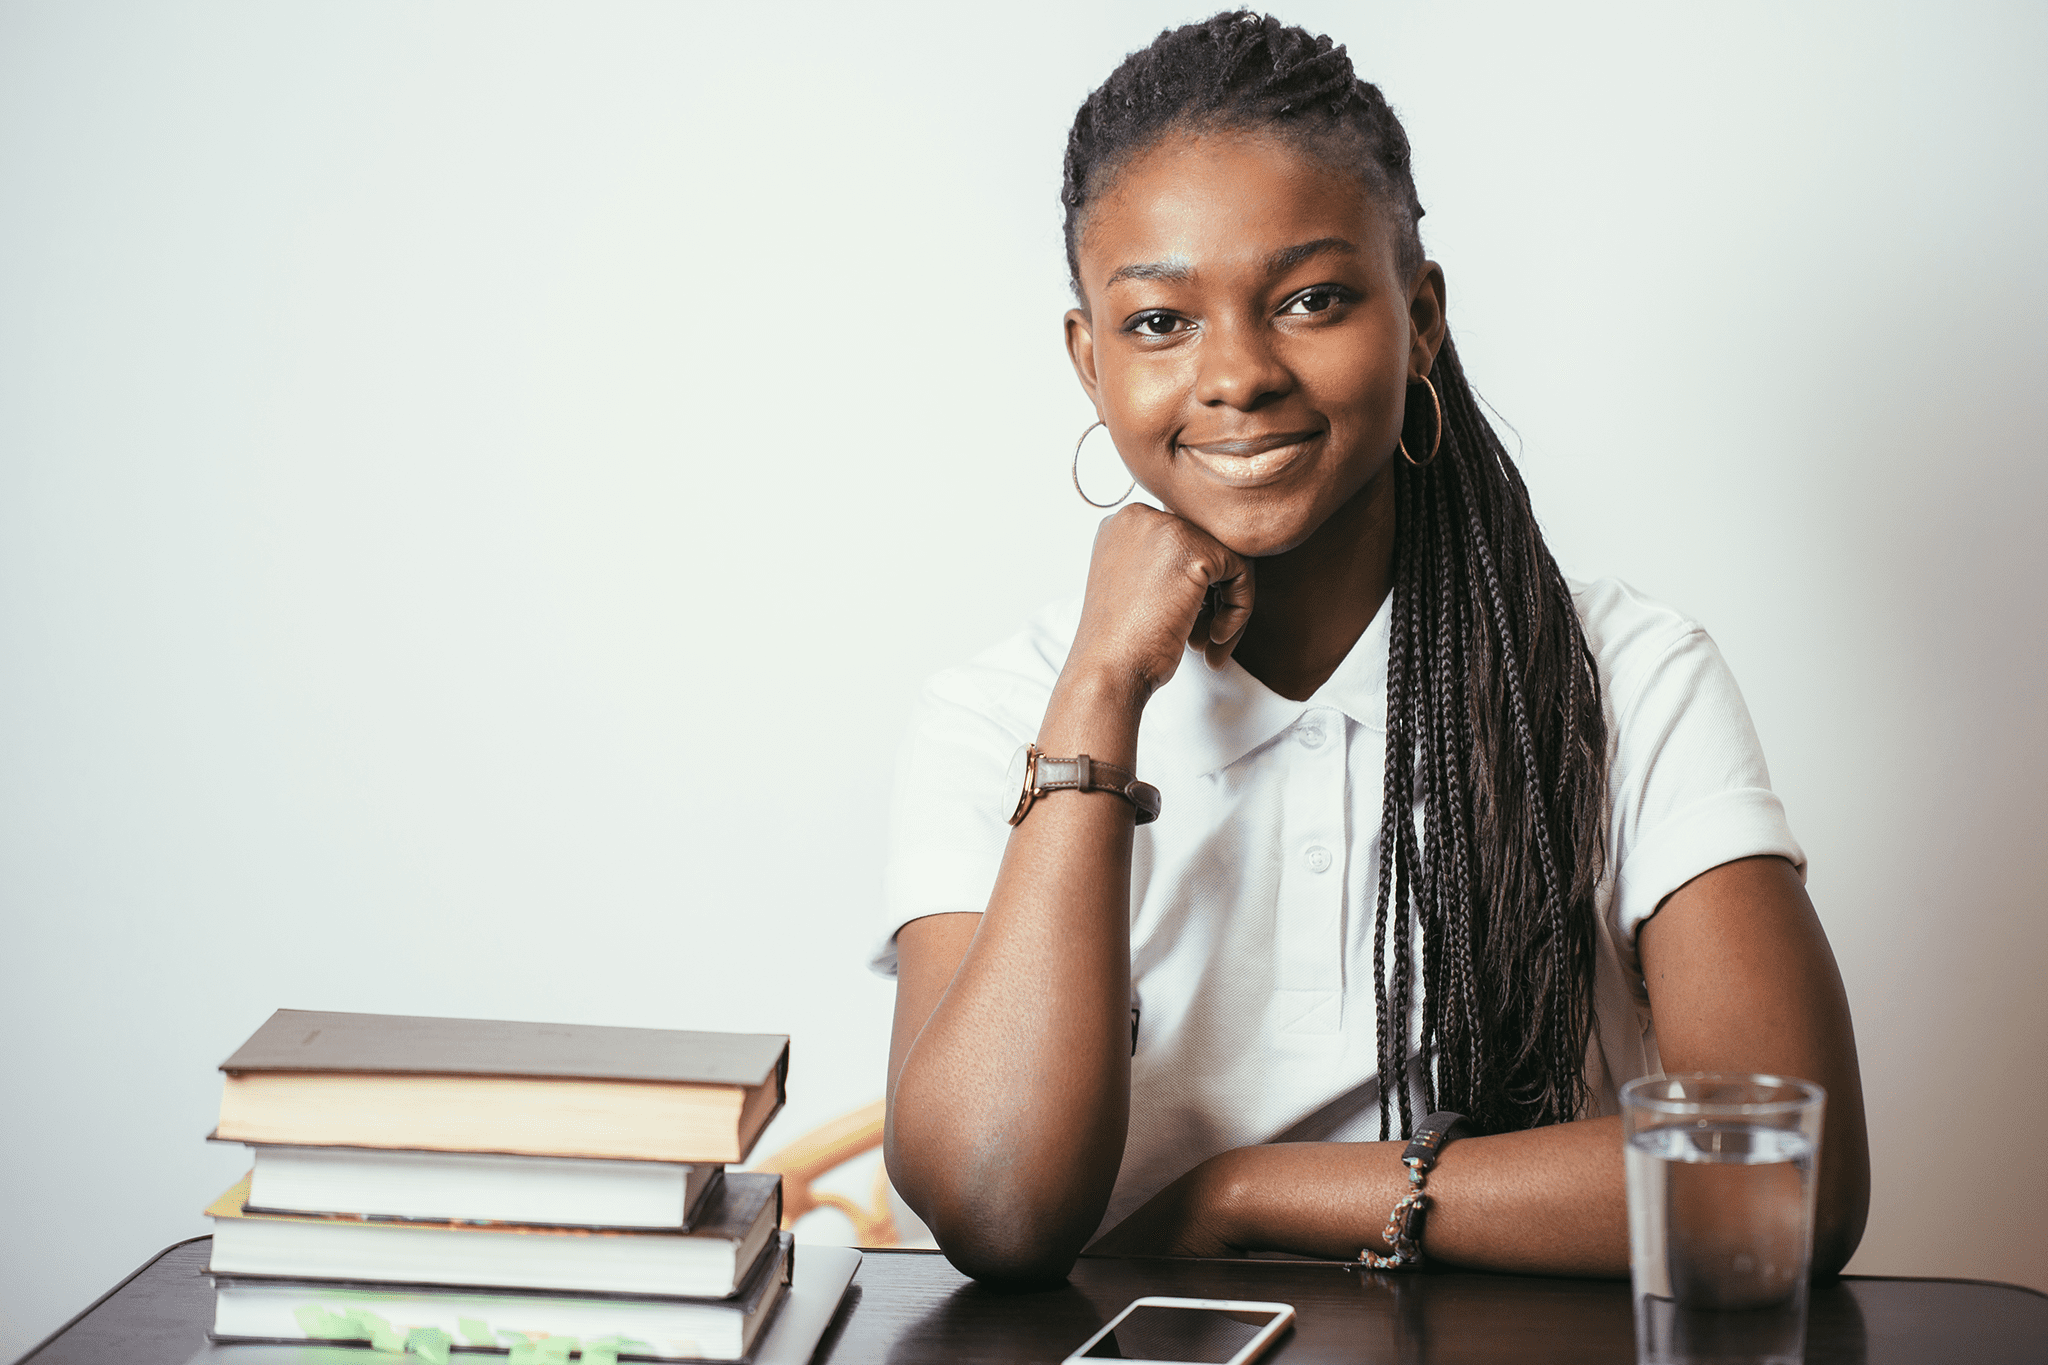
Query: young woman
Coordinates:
[1436,828]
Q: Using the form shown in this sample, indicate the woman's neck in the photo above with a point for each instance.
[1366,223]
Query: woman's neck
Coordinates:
[1314,601]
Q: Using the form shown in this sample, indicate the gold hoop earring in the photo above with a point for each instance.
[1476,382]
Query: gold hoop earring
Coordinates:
[1433,445]
[1085,434]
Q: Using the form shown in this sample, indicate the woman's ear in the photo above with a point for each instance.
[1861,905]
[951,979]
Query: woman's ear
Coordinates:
[1425,318]
[1081,350]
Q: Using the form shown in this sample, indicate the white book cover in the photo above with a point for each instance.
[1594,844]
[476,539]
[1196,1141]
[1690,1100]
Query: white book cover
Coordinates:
[478,1187]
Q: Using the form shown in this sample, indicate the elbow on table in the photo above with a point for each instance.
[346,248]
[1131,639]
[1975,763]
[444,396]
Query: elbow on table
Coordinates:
[1844,1203]
[995,1224]
[1836,1234]
[1010,1263]
[1016,1248]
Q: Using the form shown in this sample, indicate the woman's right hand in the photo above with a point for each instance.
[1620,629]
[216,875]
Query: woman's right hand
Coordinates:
[1158,585]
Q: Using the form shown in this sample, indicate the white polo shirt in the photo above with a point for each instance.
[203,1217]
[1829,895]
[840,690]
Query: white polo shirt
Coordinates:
[1252,896]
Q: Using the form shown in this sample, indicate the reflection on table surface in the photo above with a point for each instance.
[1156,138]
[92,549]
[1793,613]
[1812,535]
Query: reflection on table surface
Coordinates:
[919,1310]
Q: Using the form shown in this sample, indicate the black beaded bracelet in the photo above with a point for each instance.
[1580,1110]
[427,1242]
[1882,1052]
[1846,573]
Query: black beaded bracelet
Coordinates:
[1404,1224]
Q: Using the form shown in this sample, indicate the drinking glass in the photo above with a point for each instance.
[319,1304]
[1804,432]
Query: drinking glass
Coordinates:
[1720,1215]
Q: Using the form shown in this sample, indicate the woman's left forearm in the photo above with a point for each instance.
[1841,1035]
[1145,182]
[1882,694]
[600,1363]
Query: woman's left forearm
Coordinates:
[1547,1201]
[1740,979]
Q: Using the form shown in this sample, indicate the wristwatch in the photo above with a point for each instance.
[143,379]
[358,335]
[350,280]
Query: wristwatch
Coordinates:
[1033,774]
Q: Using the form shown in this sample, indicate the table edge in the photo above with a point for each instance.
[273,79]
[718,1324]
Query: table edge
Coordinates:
[1945,1279]
[129,1278]
[126,1280]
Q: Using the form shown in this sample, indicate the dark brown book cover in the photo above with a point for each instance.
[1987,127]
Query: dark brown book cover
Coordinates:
[316,1040]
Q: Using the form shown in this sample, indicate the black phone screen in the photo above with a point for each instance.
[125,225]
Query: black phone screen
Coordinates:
[1210,1336]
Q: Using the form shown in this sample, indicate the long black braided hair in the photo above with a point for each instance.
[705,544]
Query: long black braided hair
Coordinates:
[1494,723]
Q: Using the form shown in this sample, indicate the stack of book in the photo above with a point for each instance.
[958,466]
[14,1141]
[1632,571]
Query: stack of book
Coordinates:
[537,1189]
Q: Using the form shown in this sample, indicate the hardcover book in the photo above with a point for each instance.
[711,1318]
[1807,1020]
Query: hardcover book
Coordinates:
[311,1078]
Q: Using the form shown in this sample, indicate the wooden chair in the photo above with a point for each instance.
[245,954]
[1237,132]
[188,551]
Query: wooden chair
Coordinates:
[822,1149]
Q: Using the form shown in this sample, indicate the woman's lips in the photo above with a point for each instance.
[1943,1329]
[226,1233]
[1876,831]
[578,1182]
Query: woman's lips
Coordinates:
[1255,461]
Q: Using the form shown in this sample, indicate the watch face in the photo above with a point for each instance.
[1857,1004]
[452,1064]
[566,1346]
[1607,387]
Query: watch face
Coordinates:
[1016,796]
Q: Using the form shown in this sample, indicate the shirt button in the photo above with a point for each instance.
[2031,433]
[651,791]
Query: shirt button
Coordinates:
[1317,858]
[1311,735]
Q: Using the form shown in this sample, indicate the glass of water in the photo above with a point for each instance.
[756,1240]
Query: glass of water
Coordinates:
[1720,1215]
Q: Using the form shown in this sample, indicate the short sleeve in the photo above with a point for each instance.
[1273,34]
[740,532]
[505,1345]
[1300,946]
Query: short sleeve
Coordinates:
[946,824]
[1688,785]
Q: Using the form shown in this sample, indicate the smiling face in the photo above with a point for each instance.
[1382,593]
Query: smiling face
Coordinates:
[1249,336]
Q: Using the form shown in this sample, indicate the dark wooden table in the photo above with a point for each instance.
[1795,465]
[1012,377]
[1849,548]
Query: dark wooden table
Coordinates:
[910,1308]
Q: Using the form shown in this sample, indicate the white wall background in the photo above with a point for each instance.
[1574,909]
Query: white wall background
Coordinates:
[481,483]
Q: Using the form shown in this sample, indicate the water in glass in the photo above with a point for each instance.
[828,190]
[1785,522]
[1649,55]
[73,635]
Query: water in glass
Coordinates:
[1720,1220]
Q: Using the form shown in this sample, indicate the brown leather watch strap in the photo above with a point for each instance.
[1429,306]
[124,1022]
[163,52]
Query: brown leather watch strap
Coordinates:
[1086,774]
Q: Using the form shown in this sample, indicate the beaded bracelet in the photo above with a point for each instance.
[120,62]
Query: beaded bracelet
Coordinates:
[1404,1224]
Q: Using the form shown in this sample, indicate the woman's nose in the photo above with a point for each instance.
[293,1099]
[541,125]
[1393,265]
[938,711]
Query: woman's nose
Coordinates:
[1239,367]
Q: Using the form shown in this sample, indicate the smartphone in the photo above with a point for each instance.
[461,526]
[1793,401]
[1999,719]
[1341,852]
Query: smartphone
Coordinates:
[1162,1331]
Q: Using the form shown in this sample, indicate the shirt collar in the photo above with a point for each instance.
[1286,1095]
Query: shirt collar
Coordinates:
[1202,721]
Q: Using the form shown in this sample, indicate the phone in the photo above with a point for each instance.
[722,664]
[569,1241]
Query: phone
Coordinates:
[1163,1331]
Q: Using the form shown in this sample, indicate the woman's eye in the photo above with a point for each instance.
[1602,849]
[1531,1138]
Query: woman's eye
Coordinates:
[1315,301]
[1156,324]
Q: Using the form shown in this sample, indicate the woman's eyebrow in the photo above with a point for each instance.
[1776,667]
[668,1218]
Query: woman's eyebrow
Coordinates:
[1176,270]
[1288,257]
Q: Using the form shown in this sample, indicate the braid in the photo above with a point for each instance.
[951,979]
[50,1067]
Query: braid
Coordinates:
[1430,900]
[1494,725]
[1409,870]
[1394,816]
[1458,1059]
